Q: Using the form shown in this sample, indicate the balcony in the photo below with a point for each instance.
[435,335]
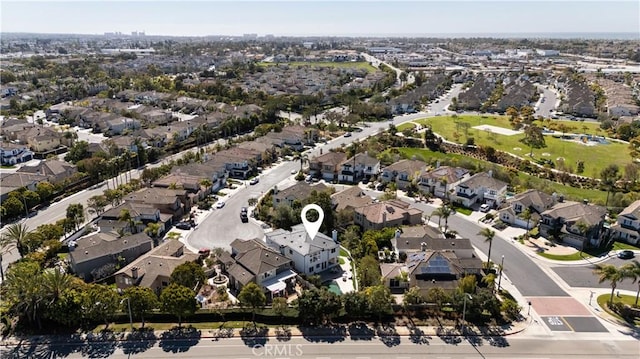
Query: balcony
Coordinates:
[466,195]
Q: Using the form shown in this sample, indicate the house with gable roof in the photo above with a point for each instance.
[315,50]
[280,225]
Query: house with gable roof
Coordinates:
[627,226]
[577,223]
[481,188]
[534,200]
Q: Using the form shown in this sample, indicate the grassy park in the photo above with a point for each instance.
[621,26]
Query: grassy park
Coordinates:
[358,65]
[595,158]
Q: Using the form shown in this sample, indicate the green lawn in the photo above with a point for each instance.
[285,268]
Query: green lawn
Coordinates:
[343,253]
[359,65]
[572,193]
[125,327]
[567,257]
[618,246]
[603,300]
[595,158]
[405,126]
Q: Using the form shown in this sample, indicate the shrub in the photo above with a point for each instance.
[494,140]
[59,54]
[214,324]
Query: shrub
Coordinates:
[511,309]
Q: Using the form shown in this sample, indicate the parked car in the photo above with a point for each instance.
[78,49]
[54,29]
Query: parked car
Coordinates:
[183,225]
[626,254]
[220,204]
[348,134]
[293,172]
[254,180]
[244,217]
[308,179]
[485,208]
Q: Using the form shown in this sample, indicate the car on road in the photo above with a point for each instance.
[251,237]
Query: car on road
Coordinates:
[183,225]
[244,215]
[220,205]
[308,179]
[348,134]
[626,254]
[293,172]
[485,208]
[254,180]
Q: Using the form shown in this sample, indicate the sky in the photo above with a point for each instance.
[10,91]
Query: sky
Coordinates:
[320,18]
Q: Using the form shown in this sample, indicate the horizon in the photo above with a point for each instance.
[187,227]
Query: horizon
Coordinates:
[545,19]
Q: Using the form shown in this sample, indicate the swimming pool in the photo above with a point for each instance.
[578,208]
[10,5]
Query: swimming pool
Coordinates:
[334,287]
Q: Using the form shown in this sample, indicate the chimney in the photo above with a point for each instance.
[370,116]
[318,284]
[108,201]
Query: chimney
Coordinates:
[423,246]
[384,219]
[334,235]
[398,233]
[134,272]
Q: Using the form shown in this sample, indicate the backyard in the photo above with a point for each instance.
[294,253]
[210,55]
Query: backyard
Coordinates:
[595,157]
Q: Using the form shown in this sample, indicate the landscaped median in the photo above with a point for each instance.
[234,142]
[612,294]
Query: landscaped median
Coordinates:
[622,307]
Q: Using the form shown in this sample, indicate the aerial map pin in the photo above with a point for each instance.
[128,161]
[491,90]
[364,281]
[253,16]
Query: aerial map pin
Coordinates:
[312,228]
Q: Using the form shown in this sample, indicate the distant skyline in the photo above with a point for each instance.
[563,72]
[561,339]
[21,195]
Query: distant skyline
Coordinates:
[323,18]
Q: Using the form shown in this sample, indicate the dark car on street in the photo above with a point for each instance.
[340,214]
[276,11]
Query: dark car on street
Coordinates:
[626,254]
[183,225]
[244,215]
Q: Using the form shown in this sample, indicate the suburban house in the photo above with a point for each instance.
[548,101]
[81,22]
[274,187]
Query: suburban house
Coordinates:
[197,189]
[13,153]
[298,192]
[153,269]
[429,269]
[168,201]
[40,139]
[98,255]
[359,167]
[412,239]
[442,181]
[254,262]
[14,181]
[141,214]
[309,255]
[211,170]
[627,227]
[118,125]
[327,166]
[56,171]
[240,162]
[350,198]
[481,188]
[536,201]
[403,172]
[576,223]
[394,213]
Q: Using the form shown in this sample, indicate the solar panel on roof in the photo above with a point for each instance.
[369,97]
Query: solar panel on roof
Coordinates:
[437,265]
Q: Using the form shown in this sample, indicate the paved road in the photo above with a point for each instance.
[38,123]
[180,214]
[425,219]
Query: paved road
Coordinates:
[223,226]
[374,348]
[545,108]
[582,276]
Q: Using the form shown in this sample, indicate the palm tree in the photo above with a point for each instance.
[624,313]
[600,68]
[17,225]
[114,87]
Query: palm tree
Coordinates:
[54,283]
[526,214]
[16,234]
[488,235]
[632,271]
[303,158]
[489,280]
[444,212]
[611,273]
[125,216]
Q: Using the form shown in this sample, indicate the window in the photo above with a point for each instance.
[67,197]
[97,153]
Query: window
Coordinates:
[164,284]
[290,251]
[333,250]
[318,265]
[394,282]
[310,269]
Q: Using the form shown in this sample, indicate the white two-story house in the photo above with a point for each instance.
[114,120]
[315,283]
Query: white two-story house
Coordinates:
[443,180]
[11,153]
[627,227]
[481,188]
[358,167]
[402,172]
[309,255]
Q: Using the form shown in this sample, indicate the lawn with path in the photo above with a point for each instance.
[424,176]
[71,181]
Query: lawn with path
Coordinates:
[595,158]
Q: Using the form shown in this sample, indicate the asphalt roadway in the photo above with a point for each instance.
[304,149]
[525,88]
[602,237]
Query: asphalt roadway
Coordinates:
[582,275]
[391,347]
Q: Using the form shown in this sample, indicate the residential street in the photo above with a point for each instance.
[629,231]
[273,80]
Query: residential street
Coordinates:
[340,347]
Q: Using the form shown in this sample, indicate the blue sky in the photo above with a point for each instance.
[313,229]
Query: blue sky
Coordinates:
[306,17]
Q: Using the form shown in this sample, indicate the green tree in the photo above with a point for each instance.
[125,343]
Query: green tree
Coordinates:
[179,301]
[284,217]
[609,273]
[355,304]
[79,151]
[368,272]
[468,284]
[75,214]
[251,296]
[632,271]
[153,230]
[380,300]
[412,297]
[316,306]
[610,175]
[511,308]
[489,280]
[444,212]
[100,302]
[488,235]
[279,306]
[13,206]
[16,234]
[189,274]
[533,138]
[125,216]
[22,291]
[142,300]
[526,215]
[45,190]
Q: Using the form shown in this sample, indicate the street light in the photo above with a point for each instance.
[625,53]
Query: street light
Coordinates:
[129,307]
[501,269]
[464,312]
